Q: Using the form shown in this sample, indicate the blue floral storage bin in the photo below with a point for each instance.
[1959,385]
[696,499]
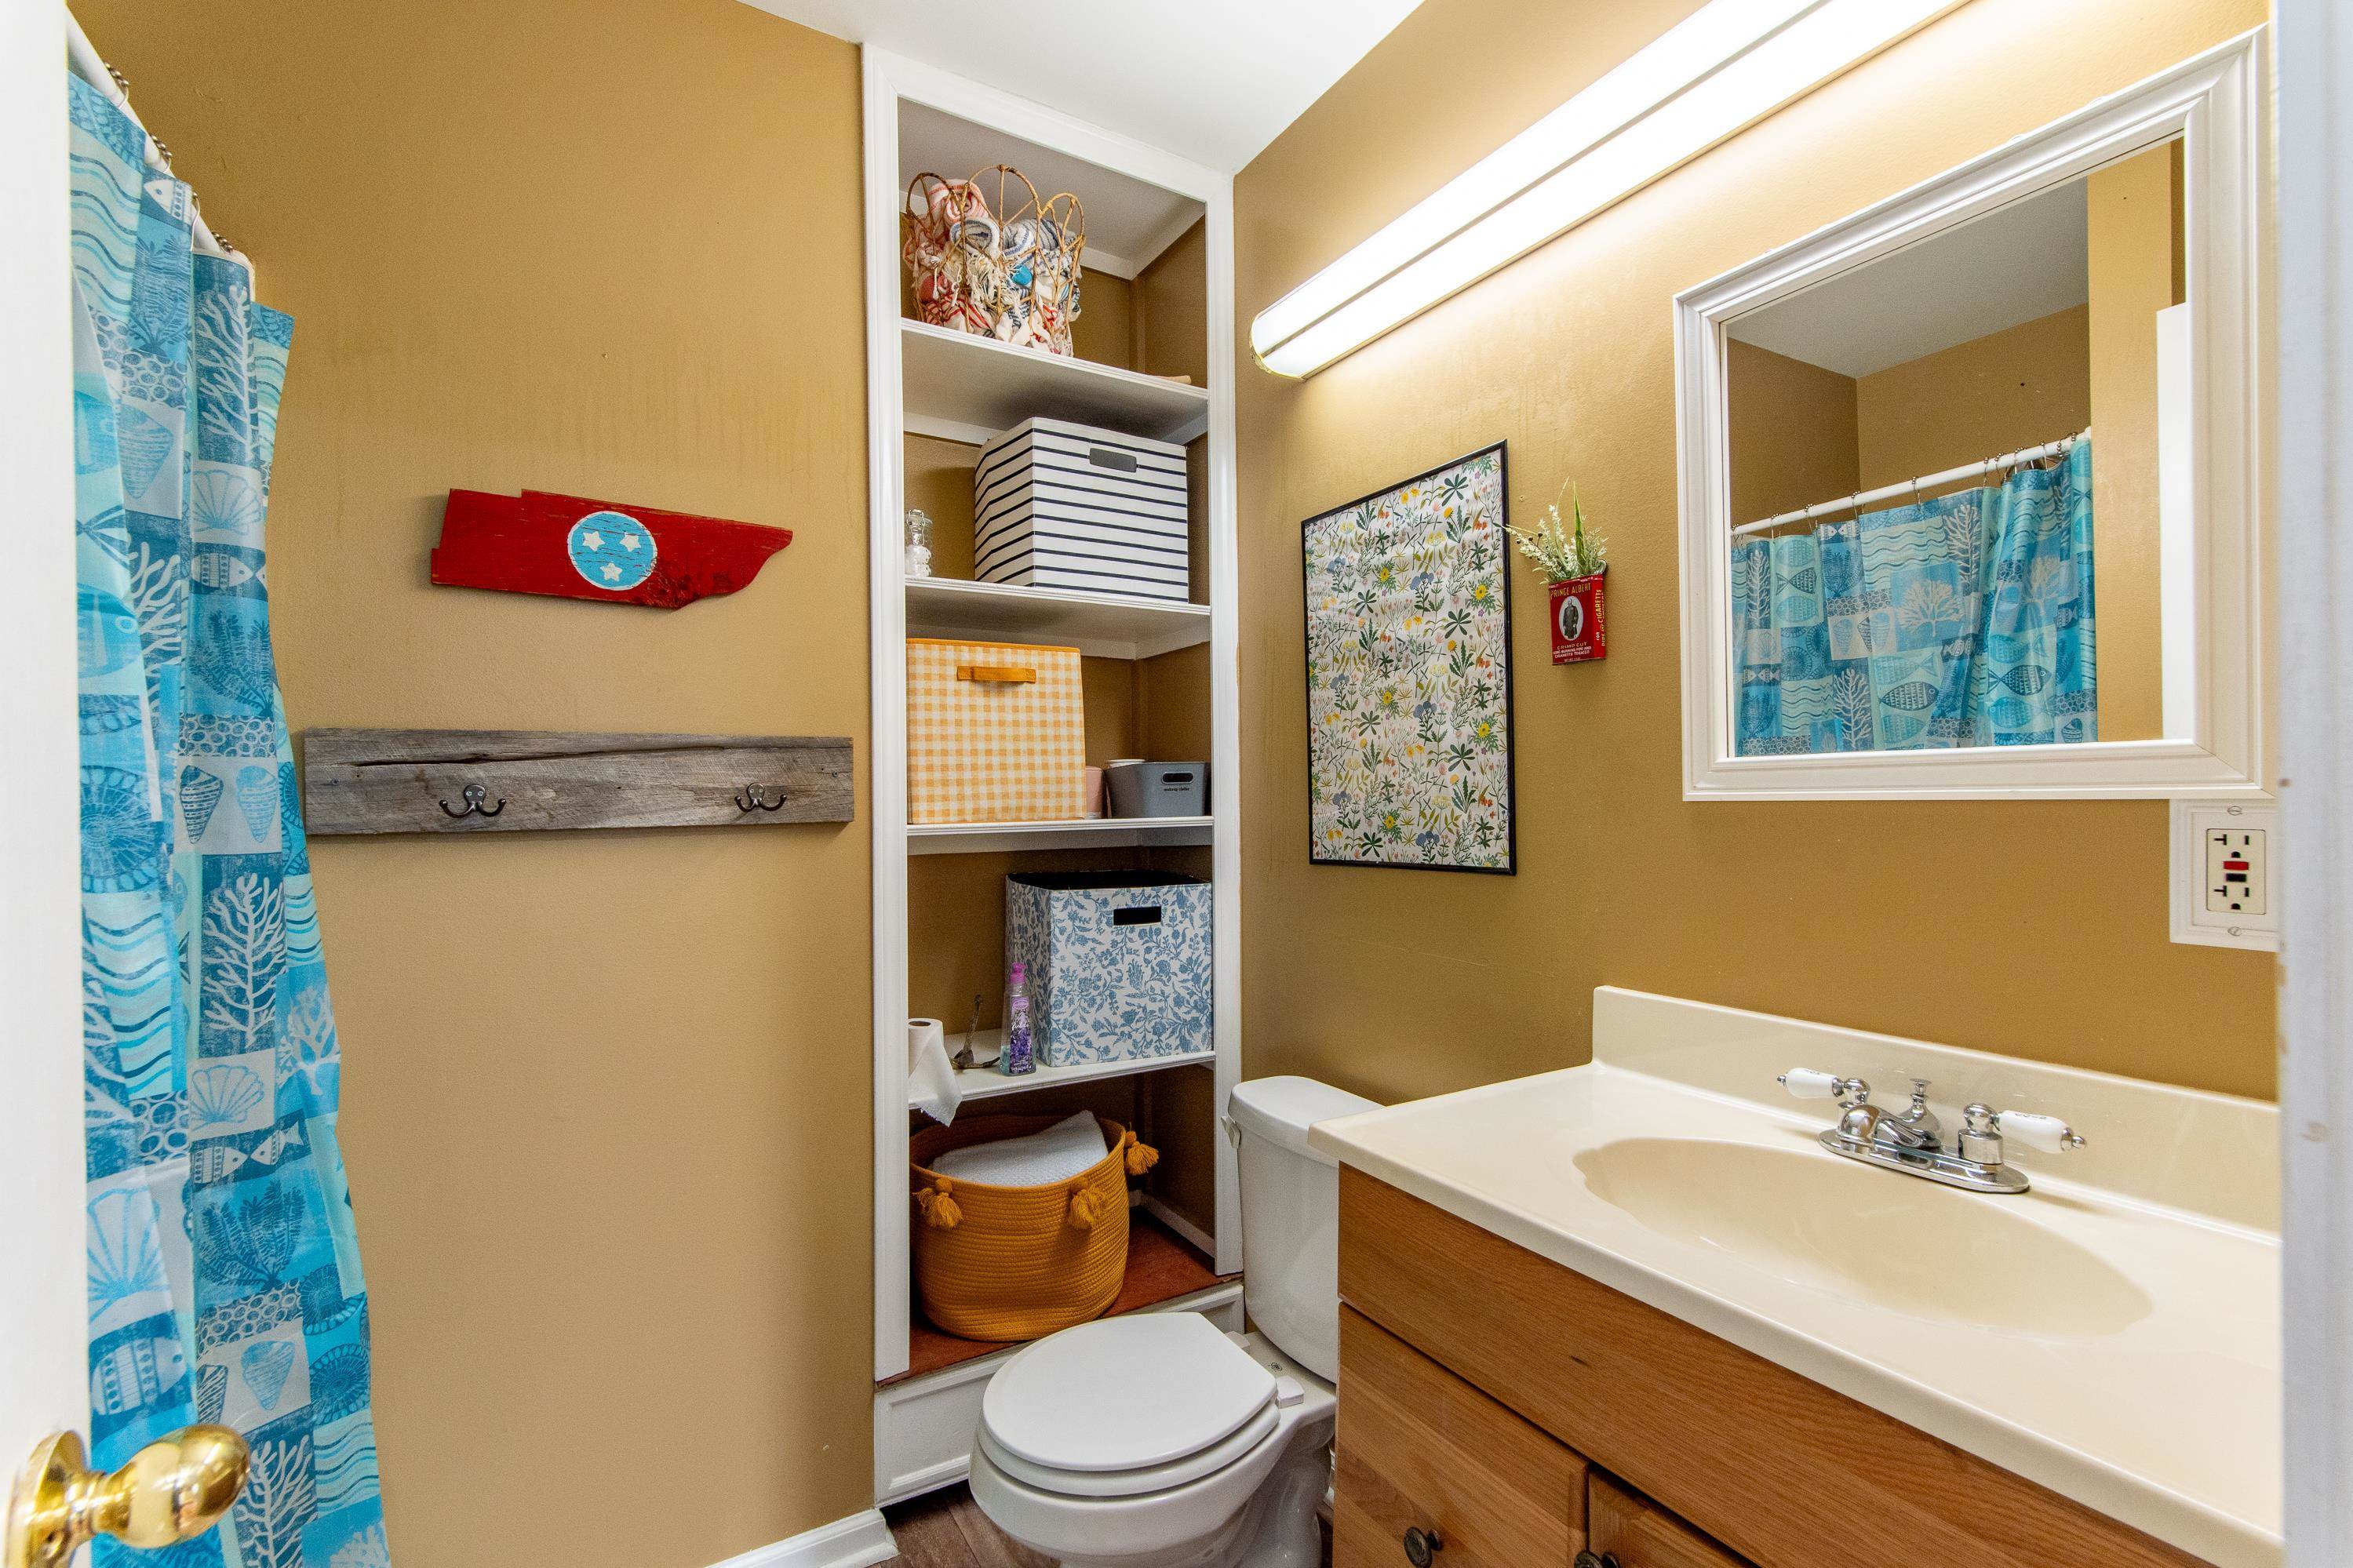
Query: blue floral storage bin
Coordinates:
[1118,963]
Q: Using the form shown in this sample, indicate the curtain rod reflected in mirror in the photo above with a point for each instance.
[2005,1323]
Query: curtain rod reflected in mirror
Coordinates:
[1924,482]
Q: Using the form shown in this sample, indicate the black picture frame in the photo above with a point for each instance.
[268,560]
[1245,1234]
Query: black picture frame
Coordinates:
[1510,866]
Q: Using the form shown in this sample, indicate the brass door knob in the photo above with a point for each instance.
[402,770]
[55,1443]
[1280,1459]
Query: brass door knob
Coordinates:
[169,1490]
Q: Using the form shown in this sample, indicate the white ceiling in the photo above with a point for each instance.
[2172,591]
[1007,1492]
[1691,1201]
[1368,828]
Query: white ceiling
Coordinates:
[2017,263]
[1212,80]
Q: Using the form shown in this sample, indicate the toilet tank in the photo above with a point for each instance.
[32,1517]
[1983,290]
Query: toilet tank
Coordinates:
[1291,1216]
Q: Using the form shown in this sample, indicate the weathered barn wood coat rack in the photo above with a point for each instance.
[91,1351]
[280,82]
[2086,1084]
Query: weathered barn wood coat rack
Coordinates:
[509,781]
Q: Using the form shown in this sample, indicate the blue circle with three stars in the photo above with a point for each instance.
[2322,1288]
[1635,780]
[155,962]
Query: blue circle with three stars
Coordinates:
[611,550]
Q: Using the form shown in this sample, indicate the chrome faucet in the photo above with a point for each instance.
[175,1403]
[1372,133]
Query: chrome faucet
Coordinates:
[1915,1127]
[1911,1140]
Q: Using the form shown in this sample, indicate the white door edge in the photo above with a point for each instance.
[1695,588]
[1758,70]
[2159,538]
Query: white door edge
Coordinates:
[2315,695]
[44,1321]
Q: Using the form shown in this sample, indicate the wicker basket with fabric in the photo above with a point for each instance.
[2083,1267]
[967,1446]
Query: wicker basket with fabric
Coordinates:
[1010,272]
[1016,1263]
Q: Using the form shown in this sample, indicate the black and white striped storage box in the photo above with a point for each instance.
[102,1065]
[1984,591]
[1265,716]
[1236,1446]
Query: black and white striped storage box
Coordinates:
[1057,505]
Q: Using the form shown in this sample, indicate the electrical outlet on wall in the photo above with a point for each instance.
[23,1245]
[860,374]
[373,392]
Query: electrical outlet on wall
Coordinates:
[2223,856]
[2238,871]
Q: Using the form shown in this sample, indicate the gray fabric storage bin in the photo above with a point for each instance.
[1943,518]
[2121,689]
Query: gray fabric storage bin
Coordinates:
[1158,789]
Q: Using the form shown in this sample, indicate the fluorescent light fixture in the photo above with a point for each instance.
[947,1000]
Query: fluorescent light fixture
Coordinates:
[1721,70]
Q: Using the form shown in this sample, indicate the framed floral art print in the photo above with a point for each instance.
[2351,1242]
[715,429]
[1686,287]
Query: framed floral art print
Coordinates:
[1409,674]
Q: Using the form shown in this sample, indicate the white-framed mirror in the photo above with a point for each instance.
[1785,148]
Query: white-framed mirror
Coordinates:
[1971,480]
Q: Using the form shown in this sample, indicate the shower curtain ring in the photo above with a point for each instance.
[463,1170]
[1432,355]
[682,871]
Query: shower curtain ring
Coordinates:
[473,795]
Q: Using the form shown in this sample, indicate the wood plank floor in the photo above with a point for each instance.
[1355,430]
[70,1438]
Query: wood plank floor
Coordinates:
[946,1528]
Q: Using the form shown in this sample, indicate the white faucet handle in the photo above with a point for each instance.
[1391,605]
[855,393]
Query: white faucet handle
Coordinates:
[1805,1083]
[2047,1133]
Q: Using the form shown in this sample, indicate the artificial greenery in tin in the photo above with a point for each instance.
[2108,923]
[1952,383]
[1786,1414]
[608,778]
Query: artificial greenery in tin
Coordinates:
[1562,552]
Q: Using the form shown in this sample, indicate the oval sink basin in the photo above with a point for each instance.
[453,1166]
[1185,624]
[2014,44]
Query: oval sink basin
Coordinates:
[1893,1240]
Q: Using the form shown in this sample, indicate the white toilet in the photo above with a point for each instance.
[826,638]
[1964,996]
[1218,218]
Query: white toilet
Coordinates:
[1155,1440]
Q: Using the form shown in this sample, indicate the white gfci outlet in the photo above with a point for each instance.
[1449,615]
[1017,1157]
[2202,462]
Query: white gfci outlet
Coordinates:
[2223,856]
[2238,870]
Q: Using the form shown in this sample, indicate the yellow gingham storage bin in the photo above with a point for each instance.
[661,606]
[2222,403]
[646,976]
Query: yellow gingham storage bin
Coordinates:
[1020,1263]
[996,732]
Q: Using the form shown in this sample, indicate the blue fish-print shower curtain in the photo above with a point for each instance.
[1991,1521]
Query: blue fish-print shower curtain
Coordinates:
[224,1269]
[1962,621]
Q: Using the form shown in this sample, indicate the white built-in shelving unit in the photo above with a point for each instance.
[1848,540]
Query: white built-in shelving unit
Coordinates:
[929,382]
[987,1083]
[1102,625]
[964,388]
[1089,833]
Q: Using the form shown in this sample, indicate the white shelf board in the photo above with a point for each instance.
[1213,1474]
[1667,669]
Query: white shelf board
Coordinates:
[1089,833]
[968,387]
[1105,626]
[986,1082]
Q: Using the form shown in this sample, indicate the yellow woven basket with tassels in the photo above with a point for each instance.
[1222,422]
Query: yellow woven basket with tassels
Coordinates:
[1016,1263]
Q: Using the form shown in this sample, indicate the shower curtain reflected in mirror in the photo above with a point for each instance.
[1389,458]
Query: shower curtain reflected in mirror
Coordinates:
[224,1281]
[1965,620]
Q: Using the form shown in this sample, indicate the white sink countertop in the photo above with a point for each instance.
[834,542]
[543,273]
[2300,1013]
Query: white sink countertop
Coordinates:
[2113,1335]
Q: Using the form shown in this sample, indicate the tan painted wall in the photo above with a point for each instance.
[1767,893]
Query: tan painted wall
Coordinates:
[605,1094]
[1792,430]
[1108,323]
[1172,316]
[2131,221]
[938,476]
[2036,929]
[2018,387]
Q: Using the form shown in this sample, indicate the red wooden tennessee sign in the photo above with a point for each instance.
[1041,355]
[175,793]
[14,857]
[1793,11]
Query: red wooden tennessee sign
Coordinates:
[575,547]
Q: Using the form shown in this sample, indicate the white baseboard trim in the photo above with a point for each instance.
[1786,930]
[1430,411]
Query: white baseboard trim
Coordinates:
[859,1541]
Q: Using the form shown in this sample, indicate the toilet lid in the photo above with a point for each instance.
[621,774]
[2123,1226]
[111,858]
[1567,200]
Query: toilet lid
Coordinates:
[1123,1393]
[1219,1455]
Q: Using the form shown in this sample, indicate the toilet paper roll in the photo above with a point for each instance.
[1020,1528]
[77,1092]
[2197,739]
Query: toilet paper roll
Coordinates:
[931,1077]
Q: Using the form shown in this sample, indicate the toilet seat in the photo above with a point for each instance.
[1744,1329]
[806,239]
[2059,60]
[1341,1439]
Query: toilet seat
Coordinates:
[1255,1509]
[1231,1450]
[1127,1406]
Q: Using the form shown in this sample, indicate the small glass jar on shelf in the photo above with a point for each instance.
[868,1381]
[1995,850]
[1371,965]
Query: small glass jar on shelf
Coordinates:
[919,542]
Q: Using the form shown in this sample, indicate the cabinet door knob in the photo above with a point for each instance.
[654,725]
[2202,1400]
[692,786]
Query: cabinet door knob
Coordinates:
[1421,1546]
[1587,1560]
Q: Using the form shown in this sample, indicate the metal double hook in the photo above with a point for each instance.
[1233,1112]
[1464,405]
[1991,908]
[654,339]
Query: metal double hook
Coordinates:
[473,795]
[748,799]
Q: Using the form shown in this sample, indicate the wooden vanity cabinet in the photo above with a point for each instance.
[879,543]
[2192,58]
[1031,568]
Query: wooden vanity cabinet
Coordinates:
[1485,1392]
[1418,1449]
[1628,1531]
